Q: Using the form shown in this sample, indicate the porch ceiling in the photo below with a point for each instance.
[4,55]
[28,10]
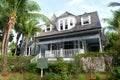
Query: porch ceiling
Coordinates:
[69,39]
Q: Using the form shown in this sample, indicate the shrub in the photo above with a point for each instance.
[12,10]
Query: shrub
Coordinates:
[60,67]
[54,76]
[98,76]
[32,67]
[117,73]
[31,76]
[81,77]
[16,76]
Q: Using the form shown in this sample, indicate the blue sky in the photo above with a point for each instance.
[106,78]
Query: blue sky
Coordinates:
[77,7]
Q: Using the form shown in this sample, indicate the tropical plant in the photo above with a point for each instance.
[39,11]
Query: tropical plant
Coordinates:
[28,12]
[114,23]
[114,4]
[30,30]
[10,11]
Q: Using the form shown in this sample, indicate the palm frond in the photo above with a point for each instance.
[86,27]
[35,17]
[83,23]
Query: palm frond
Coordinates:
[114,4]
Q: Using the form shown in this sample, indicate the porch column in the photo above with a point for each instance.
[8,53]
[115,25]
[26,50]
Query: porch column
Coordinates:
[29,51]
[51,48]
[78,44]
[74,44]
[100,44]
[84,46]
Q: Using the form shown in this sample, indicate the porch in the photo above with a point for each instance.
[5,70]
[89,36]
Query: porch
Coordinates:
[66,53]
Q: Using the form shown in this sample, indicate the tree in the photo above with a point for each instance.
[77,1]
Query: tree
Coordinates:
[11,9]
[27,13]
[112,40]
[29,30]
[114,23]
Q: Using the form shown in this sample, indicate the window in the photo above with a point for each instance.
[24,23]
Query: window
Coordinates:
[48,29]
[61,25]
[66,24]
[71,22]
[85,20]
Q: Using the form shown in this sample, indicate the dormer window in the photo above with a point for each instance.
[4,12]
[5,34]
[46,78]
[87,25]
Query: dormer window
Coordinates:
[71,22]
[61,25]
[66,24]
[85,20]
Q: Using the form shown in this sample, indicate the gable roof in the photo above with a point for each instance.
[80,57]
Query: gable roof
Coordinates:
[66,14]
[95,24]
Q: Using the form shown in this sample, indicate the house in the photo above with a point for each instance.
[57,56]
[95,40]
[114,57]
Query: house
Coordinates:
[70,34]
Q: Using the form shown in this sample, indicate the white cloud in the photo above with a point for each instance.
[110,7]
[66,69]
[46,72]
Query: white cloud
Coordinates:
[74,2]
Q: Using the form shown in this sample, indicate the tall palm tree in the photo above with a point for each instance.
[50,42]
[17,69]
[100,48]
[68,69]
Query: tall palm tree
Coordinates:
[17,9]
[29,31]
[12,9]
[27,14]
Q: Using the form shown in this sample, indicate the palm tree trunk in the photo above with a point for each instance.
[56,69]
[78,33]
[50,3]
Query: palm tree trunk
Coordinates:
[26,46]
[3,40]
[18,37]
[6,35]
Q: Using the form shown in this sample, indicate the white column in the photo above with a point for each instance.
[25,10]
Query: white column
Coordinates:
[100,44]
[51,48]
[29,51]
[61,52]
[84,46]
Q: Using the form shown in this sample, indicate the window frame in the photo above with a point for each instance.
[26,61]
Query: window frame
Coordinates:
[83,19]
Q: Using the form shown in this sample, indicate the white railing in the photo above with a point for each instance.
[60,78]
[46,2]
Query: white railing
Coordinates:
[63,53]
[36,57]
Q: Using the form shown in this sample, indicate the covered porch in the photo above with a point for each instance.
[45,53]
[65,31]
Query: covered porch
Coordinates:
[67,47]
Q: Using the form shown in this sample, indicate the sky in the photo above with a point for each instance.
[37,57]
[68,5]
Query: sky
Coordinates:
[76,7]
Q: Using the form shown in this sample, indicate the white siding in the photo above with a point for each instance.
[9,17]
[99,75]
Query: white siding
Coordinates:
[68,20]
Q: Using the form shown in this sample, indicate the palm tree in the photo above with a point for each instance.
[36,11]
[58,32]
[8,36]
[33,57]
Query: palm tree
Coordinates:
[29,31]
[17,9]
[114,23]
[12,9]
[26,16]
[114,4]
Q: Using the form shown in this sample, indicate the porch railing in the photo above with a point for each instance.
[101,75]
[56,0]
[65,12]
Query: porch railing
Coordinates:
[63,53]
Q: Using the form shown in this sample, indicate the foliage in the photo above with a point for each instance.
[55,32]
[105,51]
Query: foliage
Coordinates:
[112,40]
[54,76]
[81,77]
[18,63]
[60,67]
[12,76]
[30,76]
[98,76]
[32,67]
[117,73]
[18,76]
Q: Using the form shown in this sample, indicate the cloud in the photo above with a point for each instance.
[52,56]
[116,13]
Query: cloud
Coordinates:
[74,2]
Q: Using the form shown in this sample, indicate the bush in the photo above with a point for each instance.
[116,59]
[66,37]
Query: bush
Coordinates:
[117,73]
[54,76]
[98,76]
[60,67]
[81,77]
[31,76]
[32,67]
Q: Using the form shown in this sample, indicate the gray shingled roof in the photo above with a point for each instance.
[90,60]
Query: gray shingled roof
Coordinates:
[66,14]
[95,24]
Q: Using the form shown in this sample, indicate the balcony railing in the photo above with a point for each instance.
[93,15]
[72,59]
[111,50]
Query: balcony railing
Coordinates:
[66,53]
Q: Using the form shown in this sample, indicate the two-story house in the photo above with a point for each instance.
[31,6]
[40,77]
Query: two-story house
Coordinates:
[69,34]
